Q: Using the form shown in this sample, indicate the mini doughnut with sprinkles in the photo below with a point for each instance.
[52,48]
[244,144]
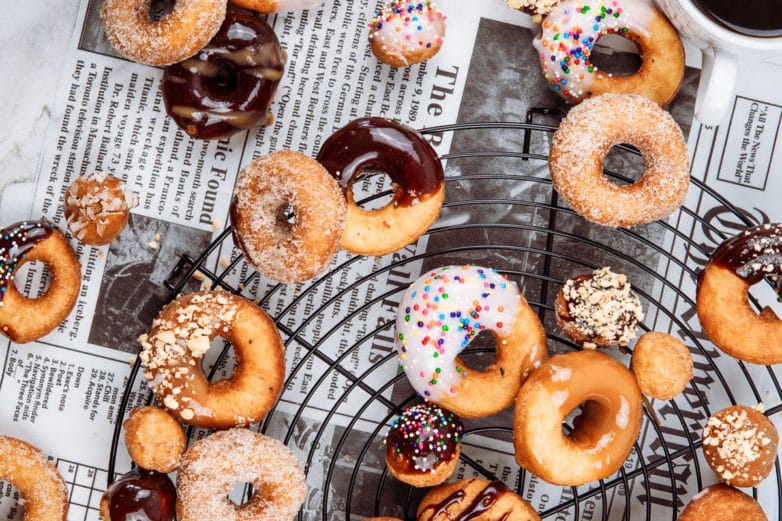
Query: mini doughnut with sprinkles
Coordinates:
[423,445]
[25,319]
[438,317]
[405,33]
[572,28]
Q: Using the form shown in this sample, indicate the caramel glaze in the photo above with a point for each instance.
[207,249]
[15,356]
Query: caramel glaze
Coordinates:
[15,241]
[754,254]
[228,86]
[484,501]
[381,144]
[141,495]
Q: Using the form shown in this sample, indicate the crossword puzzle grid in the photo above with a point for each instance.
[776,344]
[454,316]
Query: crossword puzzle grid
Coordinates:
[86,485]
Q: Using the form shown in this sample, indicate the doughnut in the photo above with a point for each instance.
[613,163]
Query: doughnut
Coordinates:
[724,503]
[97,207]
[572,28]
[146,32]
[585,137]
[535,8]
[406,33]
[37,480]
[228,86]
[287,216]
[441,313]
[275,6]
[662,365]
[25,319]
[740,445]
[599,310]
[139,495]
[604,432]
[723,292]
[414,168]
[213,465]
[154,439]
[474,499]
[180,336]
[423,445]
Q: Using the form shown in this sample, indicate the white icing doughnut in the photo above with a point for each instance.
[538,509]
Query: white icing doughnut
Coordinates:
[404,33]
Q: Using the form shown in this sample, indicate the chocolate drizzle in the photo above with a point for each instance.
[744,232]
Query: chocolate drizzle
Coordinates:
[229,85]
[484,501]
[423,437]
[141,495]
[382,144]
[754,254]
[15,241]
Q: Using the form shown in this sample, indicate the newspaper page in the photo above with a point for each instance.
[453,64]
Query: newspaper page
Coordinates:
[343,382]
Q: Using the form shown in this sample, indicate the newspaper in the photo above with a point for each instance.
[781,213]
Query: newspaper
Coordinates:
[344,385]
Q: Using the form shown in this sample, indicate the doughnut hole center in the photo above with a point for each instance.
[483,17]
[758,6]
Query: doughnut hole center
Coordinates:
[219,362]
[223,79]
[15,506]
[616,55]
[623,166]
[586,425]
[32,279]
[481,352]
[372,189]
[159,9]
[241,493]
[286,216]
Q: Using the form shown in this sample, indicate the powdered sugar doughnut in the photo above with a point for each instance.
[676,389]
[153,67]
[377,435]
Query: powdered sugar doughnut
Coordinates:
[161,38]
[438,317]
[584,139]
[213,465]
[405,33]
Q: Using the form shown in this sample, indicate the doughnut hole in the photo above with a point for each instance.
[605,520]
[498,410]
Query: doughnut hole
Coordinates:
[481,352]
[32,279]
[616,55]
[241,493]
[226,364]
[623,167]
[159,9]
[372,189]
[16,507]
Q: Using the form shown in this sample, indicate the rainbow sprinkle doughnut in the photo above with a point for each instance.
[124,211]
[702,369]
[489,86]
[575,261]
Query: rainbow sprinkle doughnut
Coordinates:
[405,33]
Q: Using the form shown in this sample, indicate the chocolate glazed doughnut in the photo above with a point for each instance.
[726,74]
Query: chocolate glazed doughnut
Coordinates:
[723,290]
[416,173]
[228,86]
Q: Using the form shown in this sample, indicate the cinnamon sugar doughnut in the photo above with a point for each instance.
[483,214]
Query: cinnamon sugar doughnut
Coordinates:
[585,137]
[37,480]
[406,33]
[154,38]
[154,439]
[722,300]
[474,499]
[723,503]
[275,6]
[662,365]
[740,445]
[213,465]
[604,432]
[25,319]
[287,215]
[181,335]
[97,207]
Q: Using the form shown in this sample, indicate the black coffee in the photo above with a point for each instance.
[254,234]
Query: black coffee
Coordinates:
[761,18]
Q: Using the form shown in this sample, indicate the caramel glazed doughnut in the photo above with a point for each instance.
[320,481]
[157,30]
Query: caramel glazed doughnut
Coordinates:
[439,316]
[180,336]
[414,168]
[38,481]
[571,29]
[723,292]
[603,434]
[585,137]
[213,465]
[474,499]
[147,36]
[25,319]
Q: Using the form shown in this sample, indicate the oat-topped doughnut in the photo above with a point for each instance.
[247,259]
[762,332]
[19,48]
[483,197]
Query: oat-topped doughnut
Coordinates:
[740,445]
[599,310]
[213,465]
[585,137]
[722,503]
[723,295]
[180,336]
[38,481]
[148,33]
[97,207]
[287,215]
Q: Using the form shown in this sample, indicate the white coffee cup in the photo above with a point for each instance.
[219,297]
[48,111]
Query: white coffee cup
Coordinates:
[722,50]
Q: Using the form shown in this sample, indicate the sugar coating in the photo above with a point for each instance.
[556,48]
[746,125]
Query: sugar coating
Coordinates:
[213,465]
[178,35]
[441,313]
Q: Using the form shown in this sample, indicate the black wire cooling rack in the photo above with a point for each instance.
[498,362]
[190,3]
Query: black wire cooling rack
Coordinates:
[502,212]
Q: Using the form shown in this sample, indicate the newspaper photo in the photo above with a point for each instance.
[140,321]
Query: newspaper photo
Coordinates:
[484,106]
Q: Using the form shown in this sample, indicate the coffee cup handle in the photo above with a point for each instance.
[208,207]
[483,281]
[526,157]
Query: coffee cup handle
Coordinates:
[717,85]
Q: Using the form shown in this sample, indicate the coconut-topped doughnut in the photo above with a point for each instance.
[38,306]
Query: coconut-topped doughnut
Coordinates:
[585,137]
[405,33]
[161,32]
